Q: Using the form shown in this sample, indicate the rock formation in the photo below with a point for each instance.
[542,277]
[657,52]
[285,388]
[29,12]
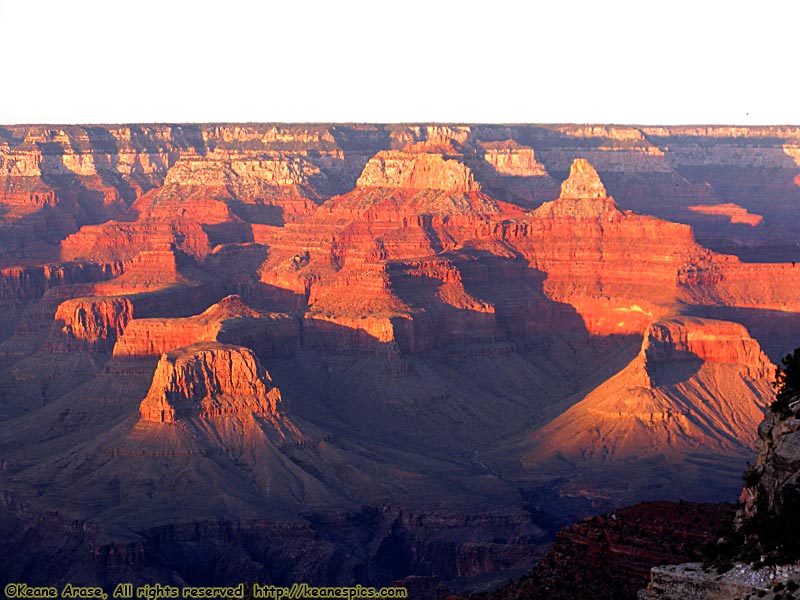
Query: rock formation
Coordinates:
[610,556]
[734,212]
[546,319]
[207,380]
[21,285]
[417,171]
[758,555]
[89,323]
[693,580]
[228,321]
[685,338]
[583,182]
[511,158]
[583,196]
[689,391]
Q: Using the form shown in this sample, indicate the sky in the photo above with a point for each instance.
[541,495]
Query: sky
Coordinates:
[681,62]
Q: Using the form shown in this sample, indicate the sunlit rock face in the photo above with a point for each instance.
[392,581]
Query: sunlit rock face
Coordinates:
[207,380]
[417,171]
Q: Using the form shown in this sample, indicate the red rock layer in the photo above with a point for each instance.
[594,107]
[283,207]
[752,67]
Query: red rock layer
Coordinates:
[347,243]
[583,182]
[155,336]
[720,342]
[610,556]
[53,180]
[511,158]
[359,295]
[207,380]
[19,285]
[697,385]
[166,220]
[595,257]
[593,253]
[149,270]
[89,324]
[720,280]
[736,214]
[620,271]
[417,171]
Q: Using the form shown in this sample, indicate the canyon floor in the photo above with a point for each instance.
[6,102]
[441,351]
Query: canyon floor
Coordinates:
[365,353]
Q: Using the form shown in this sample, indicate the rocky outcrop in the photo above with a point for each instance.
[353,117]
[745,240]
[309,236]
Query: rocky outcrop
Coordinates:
[209,380]
[610,556]
[696,386]
[511,158]
[417,171]
[19,285]
[718,342]
[583,196]
[693,580]
[757,557]
[92,324]
[583,182]
[772,483]
[733,212]
[156,336]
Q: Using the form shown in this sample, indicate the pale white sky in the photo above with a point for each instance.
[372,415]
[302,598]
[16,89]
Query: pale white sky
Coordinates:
[109,61]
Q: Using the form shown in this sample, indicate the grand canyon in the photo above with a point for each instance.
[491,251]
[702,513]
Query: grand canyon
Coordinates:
[381,354]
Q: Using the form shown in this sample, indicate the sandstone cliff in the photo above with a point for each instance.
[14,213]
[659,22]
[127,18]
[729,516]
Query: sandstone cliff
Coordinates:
[696,388]
[417,171]
[511,158]
[89,324]
[207,380]
[227,318]
[685,338]
[593,252]
[610,556]
[20,285]
[583,182]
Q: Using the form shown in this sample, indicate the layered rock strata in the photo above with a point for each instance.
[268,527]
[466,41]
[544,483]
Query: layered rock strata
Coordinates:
[208,380]
[89,324]
[610,556]
[422,293]
[697,388]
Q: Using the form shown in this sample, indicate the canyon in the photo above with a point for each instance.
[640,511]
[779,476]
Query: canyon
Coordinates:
[422,348]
